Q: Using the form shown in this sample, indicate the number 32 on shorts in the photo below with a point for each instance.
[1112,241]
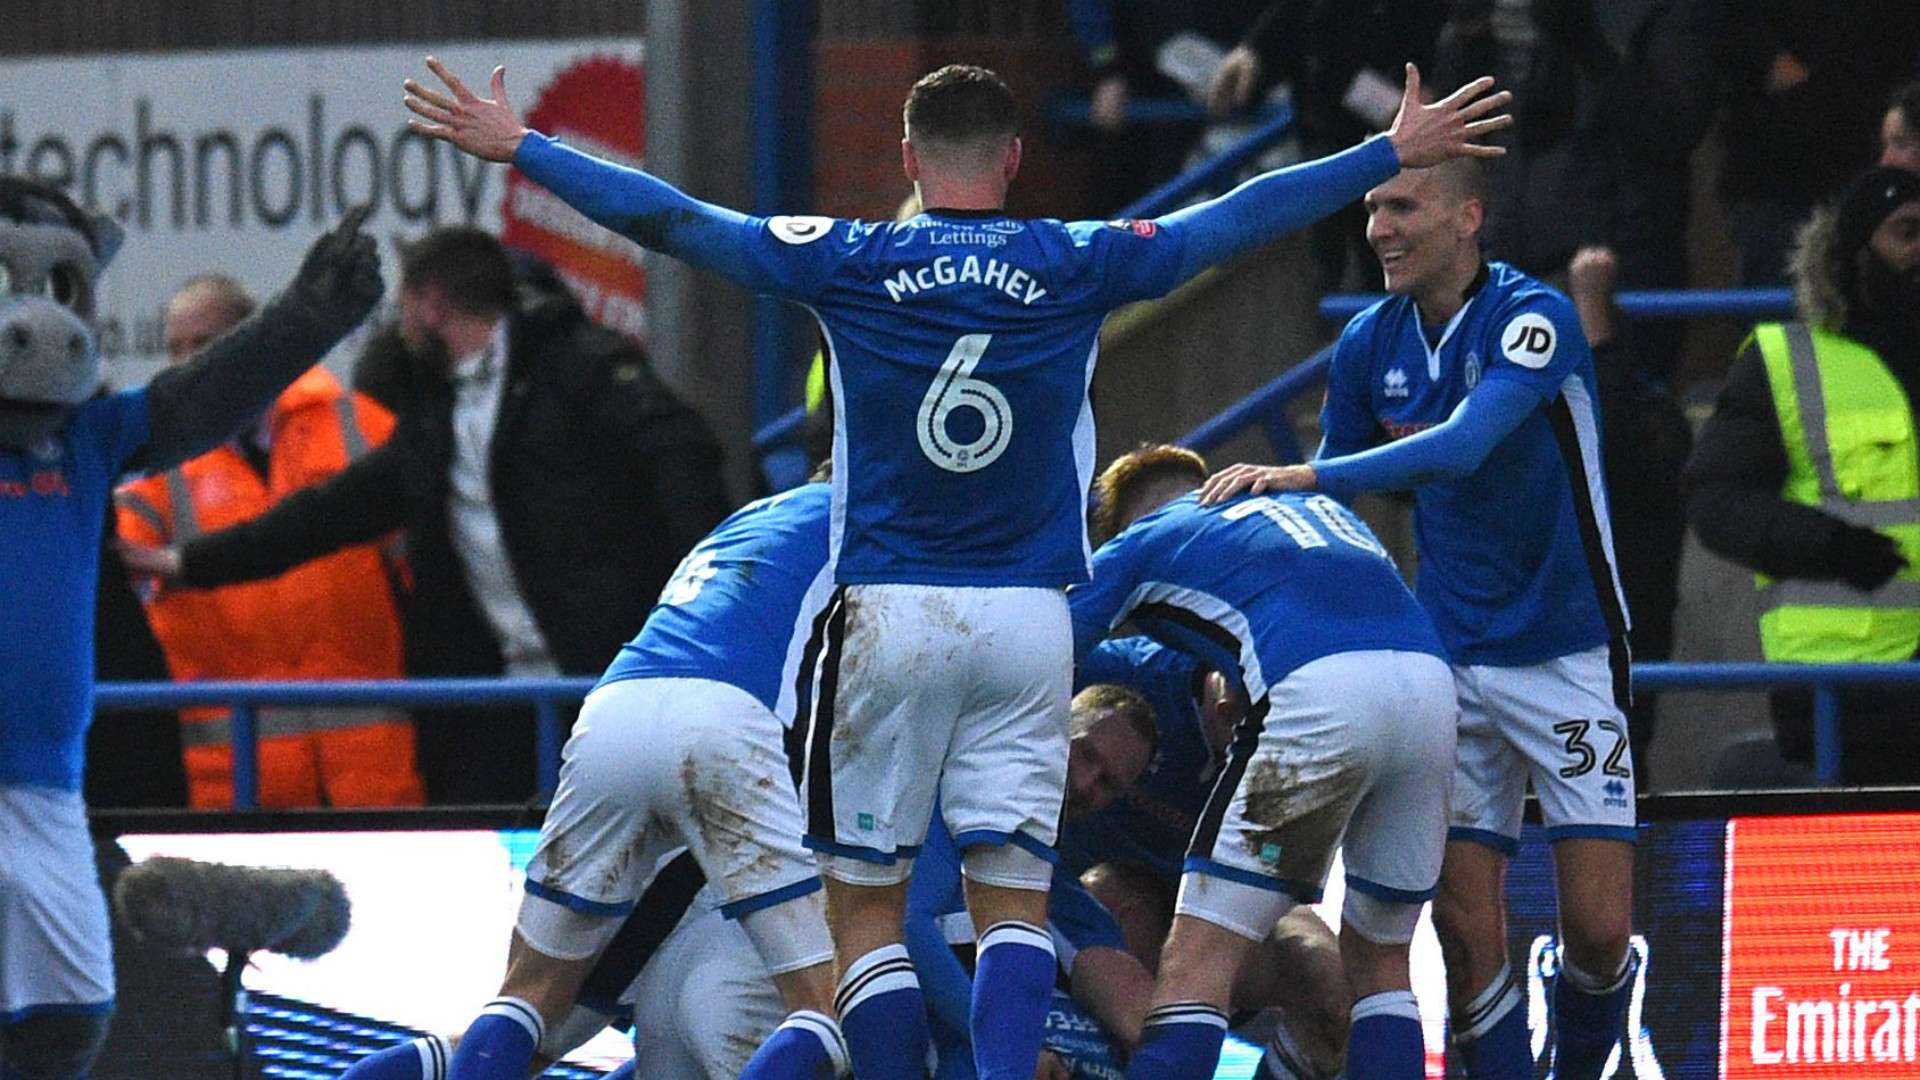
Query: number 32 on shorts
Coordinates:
[1584,757]
[954,387]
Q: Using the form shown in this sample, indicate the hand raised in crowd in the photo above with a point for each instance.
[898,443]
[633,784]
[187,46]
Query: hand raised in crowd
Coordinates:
[1256,479]
[340,275]
[1426,135]
[1233,84]
[484,127]
[150,562]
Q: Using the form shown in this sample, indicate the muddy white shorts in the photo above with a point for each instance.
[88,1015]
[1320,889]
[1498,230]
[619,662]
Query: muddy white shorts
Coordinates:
[1356,748]
[56,946]
[1556,724]
[654,764]
[925,688]
[704,1003]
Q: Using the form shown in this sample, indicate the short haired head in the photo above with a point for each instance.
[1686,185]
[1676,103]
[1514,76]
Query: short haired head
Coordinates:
[203,308]
[960,104]
[467,266]
[1112,740]
[1141,481]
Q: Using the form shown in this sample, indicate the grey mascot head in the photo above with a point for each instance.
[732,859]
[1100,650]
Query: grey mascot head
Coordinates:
[51,257]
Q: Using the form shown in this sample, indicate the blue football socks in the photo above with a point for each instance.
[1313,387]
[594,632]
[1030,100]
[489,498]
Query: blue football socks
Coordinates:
[1179,1041]
[1385,1041]
[416,1059]
[1587,1017]
[806,1046]
[499,1045]
[884,1016]
[1012,983]
[1491,1038]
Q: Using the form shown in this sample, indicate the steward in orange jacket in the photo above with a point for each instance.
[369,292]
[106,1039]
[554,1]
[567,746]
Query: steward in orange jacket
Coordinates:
[332,618]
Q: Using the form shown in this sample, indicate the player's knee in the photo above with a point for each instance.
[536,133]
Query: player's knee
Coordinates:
[1597,942]
[52,1046]
[1008,866]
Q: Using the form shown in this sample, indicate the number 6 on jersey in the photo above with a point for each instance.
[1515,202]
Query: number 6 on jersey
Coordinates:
[955,388]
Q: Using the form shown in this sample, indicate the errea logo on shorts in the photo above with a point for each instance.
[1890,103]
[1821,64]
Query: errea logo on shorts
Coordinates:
[1528,341]
[799,230]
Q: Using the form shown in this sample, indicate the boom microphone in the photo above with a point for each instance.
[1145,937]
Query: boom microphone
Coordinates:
[187,904]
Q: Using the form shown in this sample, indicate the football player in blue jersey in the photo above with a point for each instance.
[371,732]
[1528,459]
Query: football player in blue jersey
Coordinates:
[1472,386]
[961,343]
[684,742]
[1347,743]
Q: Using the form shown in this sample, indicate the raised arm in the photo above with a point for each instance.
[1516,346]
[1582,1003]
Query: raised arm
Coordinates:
[1273,204]
[636,204]
[197,405]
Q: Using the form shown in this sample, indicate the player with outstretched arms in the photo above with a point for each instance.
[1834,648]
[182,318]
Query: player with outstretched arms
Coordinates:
[961,345]
[1347,744]
[1472,385]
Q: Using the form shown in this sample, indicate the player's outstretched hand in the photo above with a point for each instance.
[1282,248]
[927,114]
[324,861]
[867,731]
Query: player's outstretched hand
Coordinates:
[340,276]
[484,127]
[1455,126]
[1235,479]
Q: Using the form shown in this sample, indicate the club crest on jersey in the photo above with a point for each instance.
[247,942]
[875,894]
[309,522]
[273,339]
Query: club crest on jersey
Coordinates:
[1528,341]
[1471,372]
[1394,384]
[1143,229]
[804,229]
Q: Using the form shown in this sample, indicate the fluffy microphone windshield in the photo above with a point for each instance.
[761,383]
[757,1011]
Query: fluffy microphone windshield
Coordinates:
[195,905]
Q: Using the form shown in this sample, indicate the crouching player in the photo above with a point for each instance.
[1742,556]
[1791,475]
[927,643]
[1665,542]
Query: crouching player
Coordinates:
[683,742]
[1349,735]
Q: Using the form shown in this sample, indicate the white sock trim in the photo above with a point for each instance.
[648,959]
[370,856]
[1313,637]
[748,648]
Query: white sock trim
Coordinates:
[1588,984]
[433,1051]
[1489,1006]
[823,1027]
[520,1012]
[881,971]
[1186,1012]
[1399,1003]
[1016,932]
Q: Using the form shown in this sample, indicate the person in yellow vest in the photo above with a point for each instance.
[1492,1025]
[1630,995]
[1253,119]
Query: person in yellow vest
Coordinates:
[334,618]
[1809,471]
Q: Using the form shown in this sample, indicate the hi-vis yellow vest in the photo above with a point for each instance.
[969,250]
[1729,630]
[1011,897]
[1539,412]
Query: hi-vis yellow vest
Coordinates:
[1848,430]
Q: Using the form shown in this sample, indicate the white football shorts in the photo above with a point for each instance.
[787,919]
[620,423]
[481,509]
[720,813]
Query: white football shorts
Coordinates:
[936,688]
[1354,750]
[1556,724]
[654,764]
[705,1002]
[56,942]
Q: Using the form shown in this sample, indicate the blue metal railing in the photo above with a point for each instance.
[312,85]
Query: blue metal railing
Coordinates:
[247,698]
[1274,125]
[1634,304]
[547,695]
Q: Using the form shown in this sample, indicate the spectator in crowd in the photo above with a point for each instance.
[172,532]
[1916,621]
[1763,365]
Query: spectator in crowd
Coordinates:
[1152,49]
[1342,60]
[1804,86]
[1644,443]
[1807,471]
[333,618]
[1612,96]
[1900,130]
[548,483]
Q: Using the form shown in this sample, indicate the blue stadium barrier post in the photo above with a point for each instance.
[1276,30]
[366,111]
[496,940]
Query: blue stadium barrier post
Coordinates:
[782,168]
[243,745]
[548,739]
[1826,735]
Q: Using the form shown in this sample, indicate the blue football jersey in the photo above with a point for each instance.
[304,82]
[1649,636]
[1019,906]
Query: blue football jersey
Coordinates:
[1516,558]
[742,605]
[1152,821]
[1255,587]
[53,506]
